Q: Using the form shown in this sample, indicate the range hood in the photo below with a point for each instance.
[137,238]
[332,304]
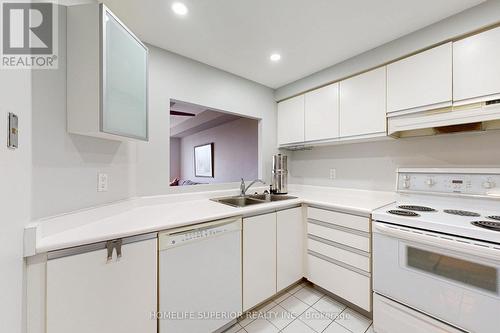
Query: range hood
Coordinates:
[480,116]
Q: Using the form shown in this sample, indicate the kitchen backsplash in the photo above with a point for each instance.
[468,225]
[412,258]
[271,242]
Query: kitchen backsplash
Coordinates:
[372,165]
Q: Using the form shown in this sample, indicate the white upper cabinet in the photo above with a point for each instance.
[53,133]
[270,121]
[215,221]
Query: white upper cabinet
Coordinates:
[476,67]
[291,121]
[107,75]
[422,81]
[322,113]
[363,104]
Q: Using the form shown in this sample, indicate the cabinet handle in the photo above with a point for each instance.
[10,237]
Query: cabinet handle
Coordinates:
[118,246]
[111,245]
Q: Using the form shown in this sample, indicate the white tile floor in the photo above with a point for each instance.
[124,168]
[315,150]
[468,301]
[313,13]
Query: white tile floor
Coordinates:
[303,310]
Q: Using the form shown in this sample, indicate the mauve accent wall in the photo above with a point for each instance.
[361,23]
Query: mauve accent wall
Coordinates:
[175,158]
[235,152]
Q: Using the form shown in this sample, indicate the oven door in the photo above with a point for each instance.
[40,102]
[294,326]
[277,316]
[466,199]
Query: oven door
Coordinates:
[452,279]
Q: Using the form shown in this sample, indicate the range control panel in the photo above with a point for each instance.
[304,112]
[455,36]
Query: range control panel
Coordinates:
[450,181]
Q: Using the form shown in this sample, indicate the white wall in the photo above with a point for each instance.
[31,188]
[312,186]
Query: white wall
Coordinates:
[373,165]
[65,166]
[15,186]
[235,152]
[176,77]
[478,17]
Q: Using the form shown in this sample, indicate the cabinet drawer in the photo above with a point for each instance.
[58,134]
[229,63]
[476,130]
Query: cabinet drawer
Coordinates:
[389,316]
[335,234]
[345,220]
[349,285]
[359,260]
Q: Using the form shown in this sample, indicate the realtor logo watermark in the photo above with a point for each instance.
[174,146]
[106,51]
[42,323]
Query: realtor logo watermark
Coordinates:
[29,35]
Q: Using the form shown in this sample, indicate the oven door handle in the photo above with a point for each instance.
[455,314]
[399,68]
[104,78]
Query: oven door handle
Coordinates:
[481,249]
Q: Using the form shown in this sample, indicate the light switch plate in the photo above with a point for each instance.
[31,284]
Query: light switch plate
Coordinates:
[102,182]
[13,136]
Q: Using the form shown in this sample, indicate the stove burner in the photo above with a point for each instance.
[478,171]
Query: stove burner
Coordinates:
[487,225]
[417,208]
[461,212]
[494,217]
[403,213]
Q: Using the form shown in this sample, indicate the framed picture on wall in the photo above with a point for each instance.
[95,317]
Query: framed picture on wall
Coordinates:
[204,160]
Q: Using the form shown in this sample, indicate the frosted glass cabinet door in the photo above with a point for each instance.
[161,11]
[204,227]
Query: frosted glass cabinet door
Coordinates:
[124,81]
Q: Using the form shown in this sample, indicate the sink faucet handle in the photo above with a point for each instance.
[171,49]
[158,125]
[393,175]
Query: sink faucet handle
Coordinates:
[242,187]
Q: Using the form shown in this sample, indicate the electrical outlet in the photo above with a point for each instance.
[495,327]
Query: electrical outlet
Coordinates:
[102,182]
[333,173]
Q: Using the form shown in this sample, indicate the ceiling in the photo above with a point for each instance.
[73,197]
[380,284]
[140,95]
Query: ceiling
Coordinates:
[238,36]
[205,118]
[184,107]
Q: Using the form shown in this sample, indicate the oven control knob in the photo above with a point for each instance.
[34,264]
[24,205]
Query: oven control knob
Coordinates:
[406,184]
[430,182]
[488,184]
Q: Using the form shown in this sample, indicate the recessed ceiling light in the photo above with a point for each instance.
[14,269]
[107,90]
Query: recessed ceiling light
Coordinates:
[275,57]
[179,8]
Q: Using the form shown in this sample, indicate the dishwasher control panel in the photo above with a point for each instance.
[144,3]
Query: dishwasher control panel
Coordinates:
[172,239]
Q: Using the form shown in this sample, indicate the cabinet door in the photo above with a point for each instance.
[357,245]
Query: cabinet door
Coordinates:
[259,259]
[363,104]
[476,66]
[291,120]
[422,81]
[322,113]
[290,247]
[85,293]
[124,81]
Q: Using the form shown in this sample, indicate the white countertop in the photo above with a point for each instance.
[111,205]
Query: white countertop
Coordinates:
[150,214]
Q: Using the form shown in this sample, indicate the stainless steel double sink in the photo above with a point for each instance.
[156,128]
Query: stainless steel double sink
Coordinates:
[255,199]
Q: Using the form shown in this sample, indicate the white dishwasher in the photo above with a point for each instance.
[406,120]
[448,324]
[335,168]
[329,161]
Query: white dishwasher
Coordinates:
[200,277]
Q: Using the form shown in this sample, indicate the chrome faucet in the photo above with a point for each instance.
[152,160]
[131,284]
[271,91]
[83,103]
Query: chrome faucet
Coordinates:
[243,189]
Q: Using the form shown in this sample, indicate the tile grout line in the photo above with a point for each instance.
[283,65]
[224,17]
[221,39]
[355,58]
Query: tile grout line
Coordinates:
[309,307]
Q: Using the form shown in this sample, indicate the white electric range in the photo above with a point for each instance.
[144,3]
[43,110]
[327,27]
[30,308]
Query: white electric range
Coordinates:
[436,253]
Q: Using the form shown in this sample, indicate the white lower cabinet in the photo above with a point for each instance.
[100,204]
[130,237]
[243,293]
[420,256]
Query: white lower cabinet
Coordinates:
[339,255]
[87,293]
[273,254]
[259,259]
[340,281]
[289,247]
